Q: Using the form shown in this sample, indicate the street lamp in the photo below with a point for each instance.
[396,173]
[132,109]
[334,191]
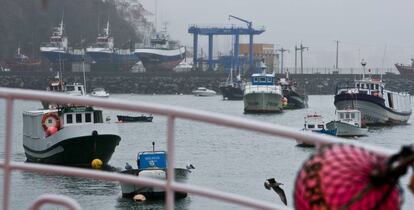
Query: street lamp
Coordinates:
[363,63]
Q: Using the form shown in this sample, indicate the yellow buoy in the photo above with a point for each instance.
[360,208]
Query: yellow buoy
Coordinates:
[139,198]
[96,163]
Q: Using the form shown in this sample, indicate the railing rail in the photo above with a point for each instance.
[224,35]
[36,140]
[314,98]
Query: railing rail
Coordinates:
[172,113]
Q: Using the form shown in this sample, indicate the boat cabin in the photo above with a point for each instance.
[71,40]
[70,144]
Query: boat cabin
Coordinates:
[350,116]
[75,89]
[369,86]
[80,115]
[152,160]
[314,122]
[263,79]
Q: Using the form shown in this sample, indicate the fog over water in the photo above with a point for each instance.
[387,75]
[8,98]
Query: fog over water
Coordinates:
[366,29]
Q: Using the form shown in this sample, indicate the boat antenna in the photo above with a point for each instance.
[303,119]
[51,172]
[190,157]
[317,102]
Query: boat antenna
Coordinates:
[153,146]
[363,63]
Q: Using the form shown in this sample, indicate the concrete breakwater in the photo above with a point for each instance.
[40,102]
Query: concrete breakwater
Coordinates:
[182,83]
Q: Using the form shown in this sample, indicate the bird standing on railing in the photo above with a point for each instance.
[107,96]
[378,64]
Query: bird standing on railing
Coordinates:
[272,183]
[128,167]
[190,166]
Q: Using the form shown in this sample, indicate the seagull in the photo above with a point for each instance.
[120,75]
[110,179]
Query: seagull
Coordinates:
[128,167]
[190,166]
[272,183]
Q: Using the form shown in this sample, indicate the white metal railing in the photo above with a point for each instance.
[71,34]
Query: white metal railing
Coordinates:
[172,113]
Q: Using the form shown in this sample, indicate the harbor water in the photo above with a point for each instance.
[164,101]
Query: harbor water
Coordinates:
[225,159]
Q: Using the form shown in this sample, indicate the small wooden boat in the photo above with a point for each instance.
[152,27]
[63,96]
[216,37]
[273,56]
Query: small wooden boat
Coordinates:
[142,118]
[348,123]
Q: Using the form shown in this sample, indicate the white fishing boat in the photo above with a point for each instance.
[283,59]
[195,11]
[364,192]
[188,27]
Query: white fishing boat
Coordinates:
[68,135]
[377,104]
[262,94]
[202,91]
[315,123]
[348,123]
[99,92]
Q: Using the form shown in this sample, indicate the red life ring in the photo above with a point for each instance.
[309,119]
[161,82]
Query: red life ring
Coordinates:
[50,115]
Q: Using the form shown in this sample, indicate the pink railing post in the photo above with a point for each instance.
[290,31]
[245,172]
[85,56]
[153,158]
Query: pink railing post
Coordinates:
[7,152]
[170,169]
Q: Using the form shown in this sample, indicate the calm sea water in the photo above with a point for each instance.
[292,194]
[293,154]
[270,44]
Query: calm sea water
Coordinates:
[225,159]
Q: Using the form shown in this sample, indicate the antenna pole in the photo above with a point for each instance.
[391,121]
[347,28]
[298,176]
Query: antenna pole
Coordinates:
[282,51]
[301,49]
[337,50]
[153,146]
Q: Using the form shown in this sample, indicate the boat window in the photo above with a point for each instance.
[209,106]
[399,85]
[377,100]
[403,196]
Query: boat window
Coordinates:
[262,79]
[255,79]
[269,79]
[69,119]
[357,85]
[79,88]
[78,118]
[70,88]
[341,115]
[320,126]
[347,115]
[352,115]
[372,86]
[311,126]
[377,87]
[88,117]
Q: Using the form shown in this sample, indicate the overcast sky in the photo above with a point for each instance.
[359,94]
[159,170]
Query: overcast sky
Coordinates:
[366,29]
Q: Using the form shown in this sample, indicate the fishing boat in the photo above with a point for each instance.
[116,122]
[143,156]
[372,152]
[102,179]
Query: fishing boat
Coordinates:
[162,54]
[232,89]
[68,135]
[142,118]
[315,123]
[406,70]
[57,85]
[348,123]
[106,57]
[376,104]
[202,91]
[21,62]
[262,94]
[295,99]
[151,164]
[57,50]
[100,93]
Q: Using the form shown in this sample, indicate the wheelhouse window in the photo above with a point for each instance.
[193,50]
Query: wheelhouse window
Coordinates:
[372,86]
[69,118]
[78,118]
[311,126]
[341,115]
[269,79]
[320,126]
[262,79]
[255,79]
[358,85]
[352,115]
[88,117]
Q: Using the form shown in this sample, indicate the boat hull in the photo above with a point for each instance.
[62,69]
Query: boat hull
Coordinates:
[104,61]
[405,70]
[231,93]
[372,108]
[61,56]
[78,151]
[160,59]
[123,118]
[295,100]
[130,190]
[346,130]
[262,102]
[73,145]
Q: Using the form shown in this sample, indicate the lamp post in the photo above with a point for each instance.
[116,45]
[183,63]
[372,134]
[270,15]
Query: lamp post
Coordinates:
[363,63]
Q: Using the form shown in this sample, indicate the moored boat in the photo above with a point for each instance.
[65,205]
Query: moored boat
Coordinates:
[348,123]
[106,57]
[295,98]
[100,93]
[202,91]
[21,62]
[315,123]
[377,104]
[142,118]
[232,89]
[406,70]
[68,135]
[262,94]
[151,164]
[162,54]
[57,50]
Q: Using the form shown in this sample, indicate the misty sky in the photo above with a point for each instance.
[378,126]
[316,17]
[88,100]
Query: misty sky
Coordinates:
[366,29]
